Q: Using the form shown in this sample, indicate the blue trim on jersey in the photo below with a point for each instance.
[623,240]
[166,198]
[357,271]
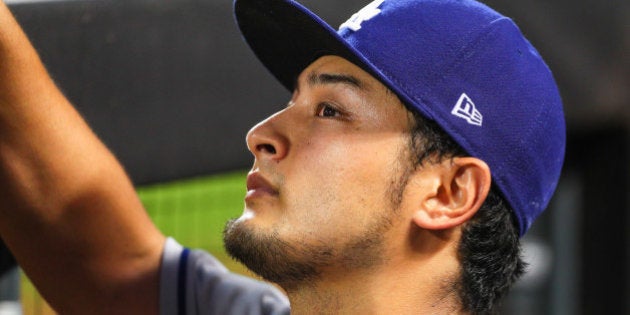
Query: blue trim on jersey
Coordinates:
[181,282]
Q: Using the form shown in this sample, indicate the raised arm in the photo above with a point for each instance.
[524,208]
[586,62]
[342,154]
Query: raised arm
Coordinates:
[68,211]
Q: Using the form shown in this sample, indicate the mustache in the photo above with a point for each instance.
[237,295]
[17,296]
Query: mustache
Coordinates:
[267,175]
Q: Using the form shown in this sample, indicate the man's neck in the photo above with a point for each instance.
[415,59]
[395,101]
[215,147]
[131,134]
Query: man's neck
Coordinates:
[426,286]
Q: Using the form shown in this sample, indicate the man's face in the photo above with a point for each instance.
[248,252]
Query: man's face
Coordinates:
[328,176]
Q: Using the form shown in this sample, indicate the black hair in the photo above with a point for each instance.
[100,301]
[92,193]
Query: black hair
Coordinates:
[489,251]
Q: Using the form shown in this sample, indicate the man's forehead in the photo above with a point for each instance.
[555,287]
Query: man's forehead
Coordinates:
[337,70]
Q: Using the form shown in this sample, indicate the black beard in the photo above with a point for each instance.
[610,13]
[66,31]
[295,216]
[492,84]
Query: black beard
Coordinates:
[291,265]
[272,258]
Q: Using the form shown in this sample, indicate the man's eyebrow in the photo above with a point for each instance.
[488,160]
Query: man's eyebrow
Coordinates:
[331,78]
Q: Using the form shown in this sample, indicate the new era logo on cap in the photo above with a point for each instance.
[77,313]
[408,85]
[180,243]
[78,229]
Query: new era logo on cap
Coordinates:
[465,108]
[369,11]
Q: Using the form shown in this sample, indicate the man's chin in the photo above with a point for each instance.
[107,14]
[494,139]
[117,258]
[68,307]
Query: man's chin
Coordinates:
[267,255]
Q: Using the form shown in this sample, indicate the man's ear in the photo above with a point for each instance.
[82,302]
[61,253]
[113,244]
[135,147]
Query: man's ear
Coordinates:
[457,189]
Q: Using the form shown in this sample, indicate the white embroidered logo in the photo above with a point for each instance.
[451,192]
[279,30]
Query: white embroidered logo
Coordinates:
[465,108]
[369,11]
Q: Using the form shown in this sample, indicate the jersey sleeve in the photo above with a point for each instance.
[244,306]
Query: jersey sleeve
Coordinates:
[192,282]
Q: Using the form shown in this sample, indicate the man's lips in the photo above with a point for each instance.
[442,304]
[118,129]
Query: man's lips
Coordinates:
[258,186]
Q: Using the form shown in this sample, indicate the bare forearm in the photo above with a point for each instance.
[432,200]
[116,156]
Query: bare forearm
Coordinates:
[67,209]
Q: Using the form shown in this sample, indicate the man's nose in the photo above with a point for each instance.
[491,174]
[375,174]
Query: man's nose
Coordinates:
[267,140]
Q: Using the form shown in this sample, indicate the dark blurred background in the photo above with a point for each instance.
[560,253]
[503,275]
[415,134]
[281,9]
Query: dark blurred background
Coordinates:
[172,89]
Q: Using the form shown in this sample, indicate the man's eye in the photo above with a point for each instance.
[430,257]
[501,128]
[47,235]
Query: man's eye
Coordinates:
[326,110]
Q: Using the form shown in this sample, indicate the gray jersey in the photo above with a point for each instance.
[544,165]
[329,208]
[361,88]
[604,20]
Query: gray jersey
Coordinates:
[194,282]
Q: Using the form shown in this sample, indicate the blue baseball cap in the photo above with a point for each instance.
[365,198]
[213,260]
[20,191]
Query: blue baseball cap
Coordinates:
[456,62]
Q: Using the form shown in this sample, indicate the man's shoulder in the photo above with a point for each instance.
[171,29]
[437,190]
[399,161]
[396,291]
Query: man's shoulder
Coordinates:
[195,282]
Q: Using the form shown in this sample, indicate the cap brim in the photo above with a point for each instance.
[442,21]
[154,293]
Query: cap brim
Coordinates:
[287,37]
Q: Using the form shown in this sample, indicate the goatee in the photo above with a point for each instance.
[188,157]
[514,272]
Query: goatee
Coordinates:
[272,258]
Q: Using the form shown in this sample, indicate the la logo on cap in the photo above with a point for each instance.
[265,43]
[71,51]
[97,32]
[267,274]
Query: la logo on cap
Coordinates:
[369,11]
